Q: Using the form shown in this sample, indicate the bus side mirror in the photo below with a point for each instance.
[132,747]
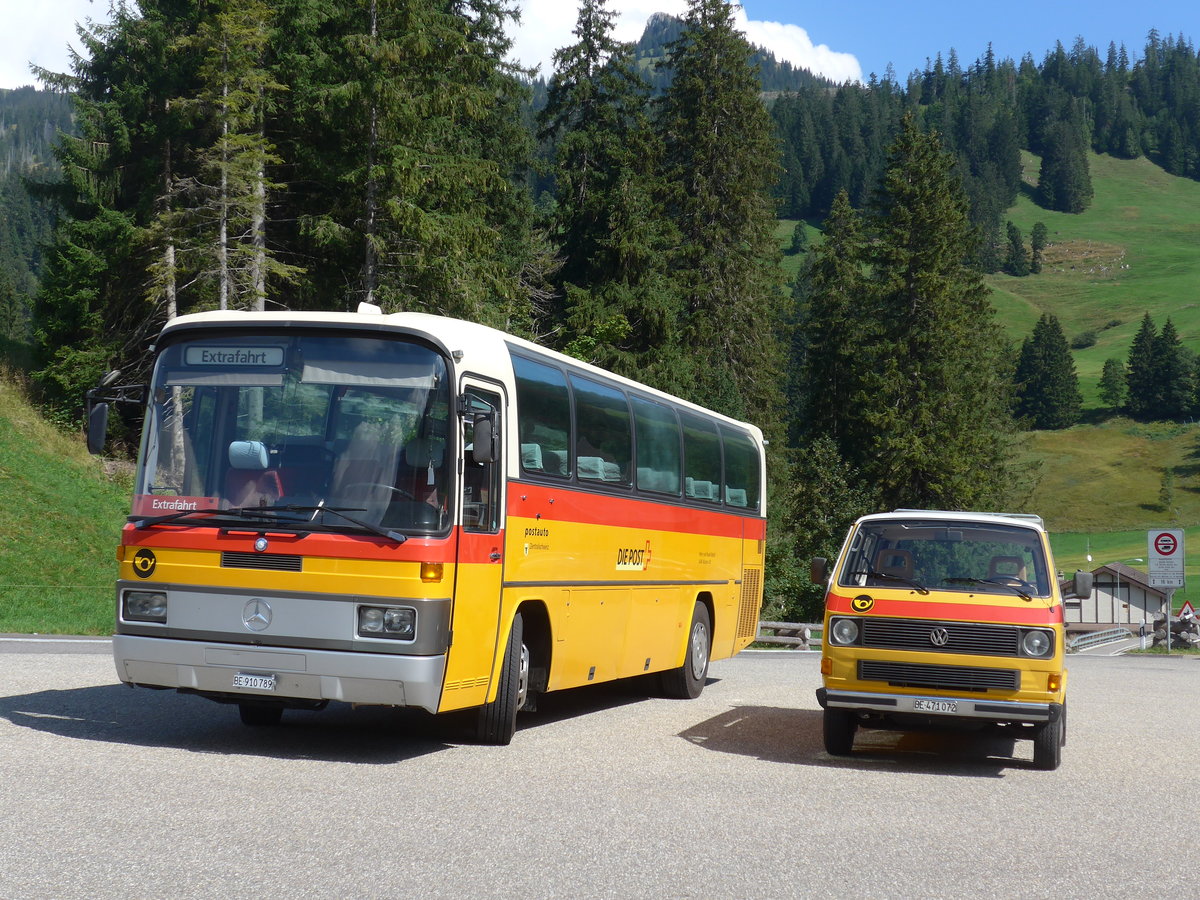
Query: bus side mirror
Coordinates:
[1083,584]
[819,570]
[484,447]
[97,426]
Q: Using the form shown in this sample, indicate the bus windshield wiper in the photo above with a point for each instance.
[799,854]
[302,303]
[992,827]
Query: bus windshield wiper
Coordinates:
[871,573]
[1012,587]
[342,514]
[237,511]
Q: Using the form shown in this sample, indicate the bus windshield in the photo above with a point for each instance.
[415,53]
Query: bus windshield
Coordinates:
[931,556]
[309,431]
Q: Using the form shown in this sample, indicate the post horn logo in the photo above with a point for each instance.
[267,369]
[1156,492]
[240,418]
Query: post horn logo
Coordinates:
[144,562]
[862,603]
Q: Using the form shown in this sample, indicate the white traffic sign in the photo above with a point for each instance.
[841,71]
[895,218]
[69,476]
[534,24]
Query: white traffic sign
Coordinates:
[1165,556]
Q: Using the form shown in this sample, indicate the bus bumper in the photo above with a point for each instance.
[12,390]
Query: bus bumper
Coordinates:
[302,676]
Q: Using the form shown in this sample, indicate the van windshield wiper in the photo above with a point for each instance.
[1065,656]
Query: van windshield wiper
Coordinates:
[884,576]
[341,513]
[1004,584]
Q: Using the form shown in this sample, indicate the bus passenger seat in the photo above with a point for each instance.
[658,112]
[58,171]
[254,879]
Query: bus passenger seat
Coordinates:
[590,467]
[249,482]
[531,457]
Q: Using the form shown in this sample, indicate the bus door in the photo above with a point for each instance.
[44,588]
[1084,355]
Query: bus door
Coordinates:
[479,572]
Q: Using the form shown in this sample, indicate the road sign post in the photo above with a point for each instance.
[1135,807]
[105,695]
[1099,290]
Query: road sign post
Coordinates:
[1165,556]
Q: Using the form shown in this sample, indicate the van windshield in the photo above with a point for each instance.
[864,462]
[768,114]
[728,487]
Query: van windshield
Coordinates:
[930,556]
[336,432]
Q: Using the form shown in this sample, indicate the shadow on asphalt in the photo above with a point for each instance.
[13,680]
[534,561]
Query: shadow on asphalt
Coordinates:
[786,735]
[339,733]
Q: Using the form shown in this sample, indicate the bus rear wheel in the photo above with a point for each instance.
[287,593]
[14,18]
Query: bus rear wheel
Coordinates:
[686,682]
[497,721]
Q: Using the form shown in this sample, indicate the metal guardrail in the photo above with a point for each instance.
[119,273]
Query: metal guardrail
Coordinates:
[802,635]
[1097,638]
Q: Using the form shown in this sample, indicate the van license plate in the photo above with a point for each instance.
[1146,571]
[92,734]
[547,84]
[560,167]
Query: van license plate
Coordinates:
[935,706]
[254,682]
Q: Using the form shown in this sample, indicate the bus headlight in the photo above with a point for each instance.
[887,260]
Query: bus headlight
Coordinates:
[387,622]
[144,606]
[1037,643]
[843,631]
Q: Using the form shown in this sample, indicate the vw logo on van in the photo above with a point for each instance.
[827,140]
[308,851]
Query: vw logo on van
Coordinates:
[939,637]
[256,614]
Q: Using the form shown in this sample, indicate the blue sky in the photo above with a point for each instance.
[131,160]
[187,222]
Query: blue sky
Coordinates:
[842,40]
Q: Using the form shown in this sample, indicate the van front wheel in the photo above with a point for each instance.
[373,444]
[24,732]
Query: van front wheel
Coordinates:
[839,726]
[1047,743]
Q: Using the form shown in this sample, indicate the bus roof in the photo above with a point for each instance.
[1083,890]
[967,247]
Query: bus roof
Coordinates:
[463,340]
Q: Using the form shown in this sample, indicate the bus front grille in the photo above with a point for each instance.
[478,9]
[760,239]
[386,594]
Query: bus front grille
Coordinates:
[274,562]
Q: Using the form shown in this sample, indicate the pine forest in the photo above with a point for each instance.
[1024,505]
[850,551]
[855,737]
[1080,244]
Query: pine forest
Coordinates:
[623,208]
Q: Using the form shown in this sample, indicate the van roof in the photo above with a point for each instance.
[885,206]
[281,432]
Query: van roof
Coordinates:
[1026,519]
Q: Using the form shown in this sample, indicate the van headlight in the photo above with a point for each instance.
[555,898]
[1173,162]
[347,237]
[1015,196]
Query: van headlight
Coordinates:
[387,622]
[843,631]
[1037,643]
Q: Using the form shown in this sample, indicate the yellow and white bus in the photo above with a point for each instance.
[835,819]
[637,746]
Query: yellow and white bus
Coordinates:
[416,511]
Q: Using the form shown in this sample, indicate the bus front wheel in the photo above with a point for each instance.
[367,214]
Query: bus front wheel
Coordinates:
[686,682]
[497,721]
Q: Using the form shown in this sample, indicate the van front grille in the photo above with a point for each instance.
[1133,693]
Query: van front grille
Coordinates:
[951,678]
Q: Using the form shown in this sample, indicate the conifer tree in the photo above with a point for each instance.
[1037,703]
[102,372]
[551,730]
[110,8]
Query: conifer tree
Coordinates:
[1016,261]
[1173,370]
[1113,389]
[834,329]
[1141,376]
[720,164]
[1047,387]
[935,399]
[1037,247]
[619,305]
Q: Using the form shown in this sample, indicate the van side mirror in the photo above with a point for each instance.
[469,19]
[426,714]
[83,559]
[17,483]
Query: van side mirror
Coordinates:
[818,570]
[1083,584]
[485,443]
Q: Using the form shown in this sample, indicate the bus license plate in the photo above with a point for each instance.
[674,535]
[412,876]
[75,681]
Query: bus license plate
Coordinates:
[254,682]
[935,706]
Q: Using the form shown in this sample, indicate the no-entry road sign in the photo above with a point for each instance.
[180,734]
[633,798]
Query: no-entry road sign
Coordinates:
[1165,557]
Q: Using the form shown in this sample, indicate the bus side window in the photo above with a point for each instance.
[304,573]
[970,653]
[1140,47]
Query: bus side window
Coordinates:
[481,481]
[544,407]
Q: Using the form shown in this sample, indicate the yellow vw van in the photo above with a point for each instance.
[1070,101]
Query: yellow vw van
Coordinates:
[939,618]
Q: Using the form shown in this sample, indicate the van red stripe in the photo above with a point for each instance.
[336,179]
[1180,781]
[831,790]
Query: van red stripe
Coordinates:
[1026,614]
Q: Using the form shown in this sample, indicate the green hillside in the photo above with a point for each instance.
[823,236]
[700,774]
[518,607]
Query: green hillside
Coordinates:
[1133,251]
[60,520]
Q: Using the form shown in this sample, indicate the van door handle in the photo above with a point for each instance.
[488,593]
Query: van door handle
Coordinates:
[494,556]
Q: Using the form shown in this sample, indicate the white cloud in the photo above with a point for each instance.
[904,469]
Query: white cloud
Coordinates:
[547,25]
[39,32]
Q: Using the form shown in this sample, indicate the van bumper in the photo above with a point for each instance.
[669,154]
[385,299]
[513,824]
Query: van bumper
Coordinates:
[934,707]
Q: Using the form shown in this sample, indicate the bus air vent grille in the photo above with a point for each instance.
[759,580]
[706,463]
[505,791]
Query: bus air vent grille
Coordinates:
[751,603]
[274,562]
